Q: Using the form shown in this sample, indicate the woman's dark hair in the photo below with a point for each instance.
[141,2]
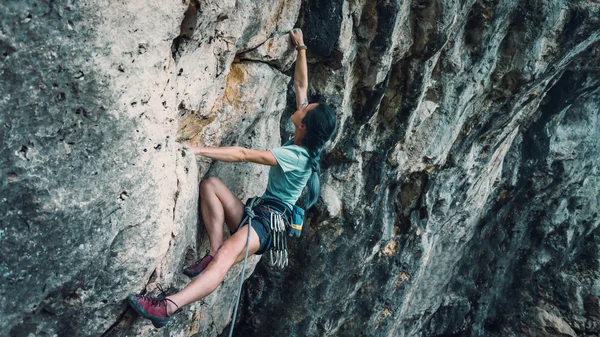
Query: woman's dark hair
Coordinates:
[320,123]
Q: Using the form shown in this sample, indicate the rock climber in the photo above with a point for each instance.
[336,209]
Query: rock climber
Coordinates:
[292,167]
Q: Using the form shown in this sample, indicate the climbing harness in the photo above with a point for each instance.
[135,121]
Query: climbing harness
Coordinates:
[278,253]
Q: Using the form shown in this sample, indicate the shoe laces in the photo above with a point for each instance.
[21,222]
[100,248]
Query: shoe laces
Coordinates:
[160,300]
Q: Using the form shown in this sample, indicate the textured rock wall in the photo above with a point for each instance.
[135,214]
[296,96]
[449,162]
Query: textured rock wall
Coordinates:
[459,196]
[97,201]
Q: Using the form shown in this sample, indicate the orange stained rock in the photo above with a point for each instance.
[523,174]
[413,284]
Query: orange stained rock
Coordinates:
[389,249]
[401,279]
[236,77]
[190,127]
[385,313]
[269,46]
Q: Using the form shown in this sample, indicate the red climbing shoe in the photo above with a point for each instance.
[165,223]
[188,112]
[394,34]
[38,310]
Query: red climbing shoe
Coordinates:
[152,308]
[198,266]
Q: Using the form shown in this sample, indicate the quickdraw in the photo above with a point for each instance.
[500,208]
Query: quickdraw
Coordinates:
[278,254]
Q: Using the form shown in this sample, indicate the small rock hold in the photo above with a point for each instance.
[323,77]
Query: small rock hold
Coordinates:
[23,152]
[158,147]
[81,111]
[27,19]
[142,47]
[12,176]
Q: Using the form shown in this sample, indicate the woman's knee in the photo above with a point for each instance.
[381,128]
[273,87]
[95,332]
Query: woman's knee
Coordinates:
[209,184]
[225,256]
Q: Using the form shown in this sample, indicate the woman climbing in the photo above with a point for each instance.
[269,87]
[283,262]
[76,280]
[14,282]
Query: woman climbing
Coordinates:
[293,166]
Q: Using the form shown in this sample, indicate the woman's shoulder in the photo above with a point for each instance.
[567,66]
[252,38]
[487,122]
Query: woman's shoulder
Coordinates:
[300,150]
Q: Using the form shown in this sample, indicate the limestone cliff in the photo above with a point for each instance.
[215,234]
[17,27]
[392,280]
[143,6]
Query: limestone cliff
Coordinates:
[459,196]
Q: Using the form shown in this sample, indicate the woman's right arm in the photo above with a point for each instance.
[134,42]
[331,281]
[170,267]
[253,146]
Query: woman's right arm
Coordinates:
[234,154]
[301,70]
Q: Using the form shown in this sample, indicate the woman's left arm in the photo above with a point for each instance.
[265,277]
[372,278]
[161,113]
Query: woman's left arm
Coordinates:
[235,154]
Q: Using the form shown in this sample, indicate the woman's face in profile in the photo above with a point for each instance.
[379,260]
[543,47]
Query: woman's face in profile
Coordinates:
[299,114]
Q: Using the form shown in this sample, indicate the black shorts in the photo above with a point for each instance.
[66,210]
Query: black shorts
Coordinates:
[262,226]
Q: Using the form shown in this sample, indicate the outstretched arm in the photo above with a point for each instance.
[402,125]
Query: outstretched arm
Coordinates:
[235,154]
[301,70]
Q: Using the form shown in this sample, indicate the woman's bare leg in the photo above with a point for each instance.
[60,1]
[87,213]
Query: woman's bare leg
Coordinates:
[218,204]
[231,252]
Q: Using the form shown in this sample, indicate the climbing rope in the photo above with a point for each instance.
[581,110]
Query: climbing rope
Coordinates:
[249,216]
[279,253]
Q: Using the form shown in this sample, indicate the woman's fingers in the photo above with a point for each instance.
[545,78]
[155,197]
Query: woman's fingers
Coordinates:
[292,36]
[297,37]
[195,149]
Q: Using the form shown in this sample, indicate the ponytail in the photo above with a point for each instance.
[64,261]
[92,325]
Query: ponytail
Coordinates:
[313,187]
[320,125]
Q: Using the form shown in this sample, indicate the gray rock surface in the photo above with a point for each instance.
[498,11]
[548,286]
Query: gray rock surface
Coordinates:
[459,197]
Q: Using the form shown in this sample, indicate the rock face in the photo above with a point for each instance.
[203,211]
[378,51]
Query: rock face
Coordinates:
[459,196]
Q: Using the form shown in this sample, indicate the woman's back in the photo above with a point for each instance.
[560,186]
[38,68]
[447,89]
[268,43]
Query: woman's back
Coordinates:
[287,180]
